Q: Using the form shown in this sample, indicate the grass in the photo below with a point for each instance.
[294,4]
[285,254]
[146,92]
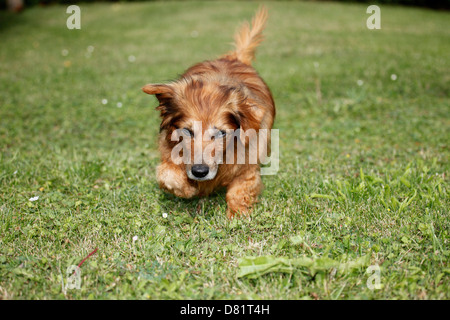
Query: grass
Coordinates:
[364,159]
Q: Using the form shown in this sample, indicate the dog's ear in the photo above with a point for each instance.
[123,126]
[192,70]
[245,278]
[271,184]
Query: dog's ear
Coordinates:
[161,91]
[246,113]
[167,106]
[250,119]
[164,93]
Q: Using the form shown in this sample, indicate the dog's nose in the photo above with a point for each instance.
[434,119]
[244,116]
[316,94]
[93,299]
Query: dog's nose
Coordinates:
[199,170]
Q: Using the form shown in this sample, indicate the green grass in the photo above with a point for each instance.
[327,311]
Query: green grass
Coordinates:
[363,169]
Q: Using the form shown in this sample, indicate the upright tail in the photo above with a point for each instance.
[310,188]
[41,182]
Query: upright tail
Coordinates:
[247,39]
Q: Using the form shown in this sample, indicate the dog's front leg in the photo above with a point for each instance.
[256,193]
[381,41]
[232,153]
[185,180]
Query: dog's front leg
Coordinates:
[243,192]
[173,179]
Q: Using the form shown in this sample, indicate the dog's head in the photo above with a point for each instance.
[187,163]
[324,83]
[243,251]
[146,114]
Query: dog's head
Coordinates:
[206,115]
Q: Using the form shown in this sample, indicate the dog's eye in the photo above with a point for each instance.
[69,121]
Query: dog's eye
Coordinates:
[220,134]
[187,132]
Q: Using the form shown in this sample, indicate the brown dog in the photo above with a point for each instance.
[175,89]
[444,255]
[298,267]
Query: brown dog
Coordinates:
[209,106]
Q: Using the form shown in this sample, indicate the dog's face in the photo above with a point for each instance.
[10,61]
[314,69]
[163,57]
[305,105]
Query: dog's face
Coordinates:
[206,117]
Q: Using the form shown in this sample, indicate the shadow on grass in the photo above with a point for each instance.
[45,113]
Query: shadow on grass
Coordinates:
[205,206]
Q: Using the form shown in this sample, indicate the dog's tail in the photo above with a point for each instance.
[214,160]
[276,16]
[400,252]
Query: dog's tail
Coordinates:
[247,39]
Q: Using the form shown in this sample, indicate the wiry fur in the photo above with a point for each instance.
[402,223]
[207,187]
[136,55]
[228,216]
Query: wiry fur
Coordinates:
[226,93]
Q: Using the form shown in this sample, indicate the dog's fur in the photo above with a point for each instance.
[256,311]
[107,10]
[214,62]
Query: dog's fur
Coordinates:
[226,93]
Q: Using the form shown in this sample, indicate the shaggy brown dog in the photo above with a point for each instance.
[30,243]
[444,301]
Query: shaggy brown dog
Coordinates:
[213,100]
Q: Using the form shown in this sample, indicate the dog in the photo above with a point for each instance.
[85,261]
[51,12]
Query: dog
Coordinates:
[212,105]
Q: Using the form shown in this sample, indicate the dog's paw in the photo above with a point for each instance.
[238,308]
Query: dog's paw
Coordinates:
[174,180]
[238,213]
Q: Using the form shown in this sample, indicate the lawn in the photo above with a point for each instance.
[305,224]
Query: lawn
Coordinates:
[359,208]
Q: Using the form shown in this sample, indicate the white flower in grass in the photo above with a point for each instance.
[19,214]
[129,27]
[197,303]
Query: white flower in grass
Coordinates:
[360,82]
[135,238]
[119,104]
[15,172]
[34,198]
[90,49]
[64,52]
[104,101]
[194,34]
[316,64]
[164,215]
[393,77]
[131,58]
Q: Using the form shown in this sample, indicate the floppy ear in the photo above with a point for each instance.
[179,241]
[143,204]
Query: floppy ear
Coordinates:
[164,93]
[243,112]
[161,91]
[251,119]
[167,106]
